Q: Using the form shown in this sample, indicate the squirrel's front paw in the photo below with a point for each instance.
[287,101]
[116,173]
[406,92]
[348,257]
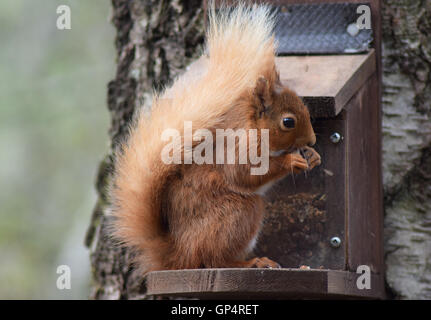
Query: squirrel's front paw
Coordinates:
[295,163]
[313,158]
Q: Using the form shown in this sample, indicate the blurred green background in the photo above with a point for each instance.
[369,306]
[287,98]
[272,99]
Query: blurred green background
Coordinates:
[53,134]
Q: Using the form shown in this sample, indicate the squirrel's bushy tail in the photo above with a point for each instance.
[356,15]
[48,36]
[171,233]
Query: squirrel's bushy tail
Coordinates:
[241,48]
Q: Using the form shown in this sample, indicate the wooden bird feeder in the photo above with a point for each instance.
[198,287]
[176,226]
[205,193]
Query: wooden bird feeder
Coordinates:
[331,219]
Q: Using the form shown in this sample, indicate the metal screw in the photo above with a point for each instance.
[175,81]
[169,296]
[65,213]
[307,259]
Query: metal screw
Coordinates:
[335,137]
[335,242]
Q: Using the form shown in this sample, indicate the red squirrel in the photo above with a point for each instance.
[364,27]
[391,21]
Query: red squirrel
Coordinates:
[186,216]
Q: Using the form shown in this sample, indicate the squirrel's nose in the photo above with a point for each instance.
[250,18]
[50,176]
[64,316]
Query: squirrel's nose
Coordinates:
[312,141]
[308,139]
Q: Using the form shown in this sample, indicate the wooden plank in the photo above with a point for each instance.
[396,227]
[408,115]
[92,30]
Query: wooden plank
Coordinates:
[365,205]
[335,188]
[327,82]
[257,284]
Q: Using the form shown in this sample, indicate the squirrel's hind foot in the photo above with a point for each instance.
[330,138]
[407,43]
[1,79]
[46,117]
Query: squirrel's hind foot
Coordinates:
[263,262]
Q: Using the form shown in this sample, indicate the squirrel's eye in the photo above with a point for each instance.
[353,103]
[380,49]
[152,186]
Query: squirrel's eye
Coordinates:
[289,123]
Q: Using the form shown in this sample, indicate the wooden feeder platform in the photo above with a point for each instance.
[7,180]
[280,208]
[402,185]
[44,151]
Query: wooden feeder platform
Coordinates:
[342,92]
[260,284]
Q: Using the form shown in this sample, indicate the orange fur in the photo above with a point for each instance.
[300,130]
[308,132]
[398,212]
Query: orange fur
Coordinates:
[189,215]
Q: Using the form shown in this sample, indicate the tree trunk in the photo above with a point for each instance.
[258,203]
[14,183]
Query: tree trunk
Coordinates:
[157,39]
[407,146]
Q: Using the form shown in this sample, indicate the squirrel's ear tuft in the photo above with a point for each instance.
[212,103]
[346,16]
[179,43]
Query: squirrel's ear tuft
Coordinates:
[263,96]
